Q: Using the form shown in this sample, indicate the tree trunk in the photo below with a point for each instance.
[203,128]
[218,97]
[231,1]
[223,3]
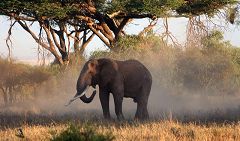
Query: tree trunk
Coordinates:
[76,43]
[5,97]
[84,45]
[63,48]
[11,98]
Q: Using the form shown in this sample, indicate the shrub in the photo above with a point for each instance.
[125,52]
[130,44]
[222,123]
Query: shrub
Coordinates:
[87,133]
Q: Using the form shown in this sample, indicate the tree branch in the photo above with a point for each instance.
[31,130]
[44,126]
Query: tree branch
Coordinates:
[9,38]
[26,28]
[23,18]
[120,27]
[101,28]
[135,16]
[53,33]
[148,28]
[100,36]
[87,42]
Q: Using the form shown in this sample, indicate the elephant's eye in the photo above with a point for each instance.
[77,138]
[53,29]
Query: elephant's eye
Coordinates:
[92,72]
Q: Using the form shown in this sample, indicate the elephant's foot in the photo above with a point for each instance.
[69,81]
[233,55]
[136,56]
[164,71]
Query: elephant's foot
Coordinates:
[141,116]
[120,117]
[142,112]
[107,117]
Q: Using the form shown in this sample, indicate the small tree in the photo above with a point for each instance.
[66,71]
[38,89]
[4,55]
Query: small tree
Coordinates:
[14,77]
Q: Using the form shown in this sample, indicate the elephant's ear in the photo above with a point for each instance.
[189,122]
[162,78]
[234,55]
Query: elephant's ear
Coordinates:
[92,65]
[107,69]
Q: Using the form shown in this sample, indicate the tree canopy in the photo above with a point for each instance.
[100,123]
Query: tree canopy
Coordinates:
[62,22]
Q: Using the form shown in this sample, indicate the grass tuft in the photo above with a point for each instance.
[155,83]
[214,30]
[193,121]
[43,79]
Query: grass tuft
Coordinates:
[86,133]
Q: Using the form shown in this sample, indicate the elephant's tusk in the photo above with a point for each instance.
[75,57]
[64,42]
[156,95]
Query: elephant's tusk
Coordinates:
[71,100]
[77,96]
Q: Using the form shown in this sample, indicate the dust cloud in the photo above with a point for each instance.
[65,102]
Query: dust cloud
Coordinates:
[165,101]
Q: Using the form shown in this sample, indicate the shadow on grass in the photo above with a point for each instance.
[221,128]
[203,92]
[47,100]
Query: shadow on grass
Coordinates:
[14,120]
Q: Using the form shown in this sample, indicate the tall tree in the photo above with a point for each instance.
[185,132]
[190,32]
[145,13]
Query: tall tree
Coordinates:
[62,22]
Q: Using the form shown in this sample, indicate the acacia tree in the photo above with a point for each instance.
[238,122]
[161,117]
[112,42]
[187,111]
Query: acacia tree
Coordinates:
[62,22]
[14,77]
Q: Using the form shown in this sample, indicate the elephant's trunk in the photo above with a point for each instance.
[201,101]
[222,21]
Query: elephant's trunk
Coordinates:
[88,100]
[84,81]
[78,95]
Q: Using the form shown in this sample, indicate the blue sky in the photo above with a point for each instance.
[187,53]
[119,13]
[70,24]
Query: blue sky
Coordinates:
[25,48]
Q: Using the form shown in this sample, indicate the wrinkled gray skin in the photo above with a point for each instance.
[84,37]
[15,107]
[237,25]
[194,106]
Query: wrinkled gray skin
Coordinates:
[129,79]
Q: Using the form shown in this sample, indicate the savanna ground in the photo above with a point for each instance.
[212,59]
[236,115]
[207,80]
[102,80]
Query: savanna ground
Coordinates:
[195,96]
[50,127]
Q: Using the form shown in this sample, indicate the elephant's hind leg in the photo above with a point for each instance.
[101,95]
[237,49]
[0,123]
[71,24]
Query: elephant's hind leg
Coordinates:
[142,101]
[142,112]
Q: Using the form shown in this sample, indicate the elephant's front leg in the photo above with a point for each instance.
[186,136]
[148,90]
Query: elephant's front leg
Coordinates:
[118,94]
[118,106]
[104,99]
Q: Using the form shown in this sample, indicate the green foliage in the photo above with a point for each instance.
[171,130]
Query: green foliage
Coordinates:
[199,7]
[37,8]
[129,42]
[145,5]
[65,9]
[137,43]
[157,7]
[76,133]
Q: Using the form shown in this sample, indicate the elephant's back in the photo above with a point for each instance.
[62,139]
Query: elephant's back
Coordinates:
[135,73]
[130,65]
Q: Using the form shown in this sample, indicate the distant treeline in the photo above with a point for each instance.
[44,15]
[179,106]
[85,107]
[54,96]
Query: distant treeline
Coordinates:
[213,68]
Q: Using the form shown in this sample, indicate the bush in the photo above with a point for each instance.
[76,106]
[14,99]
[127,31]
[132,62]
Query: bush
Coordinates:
[19,81]
[87,133]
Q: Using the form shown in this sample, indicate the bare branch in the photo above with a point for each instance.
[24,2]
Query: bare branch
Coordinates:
[115,14]
[121,26]
[17,17]
[9,39]
[196,29]
[40,36]
[86,43]
[148,28]
[49,47]
[76,43]
[103,29]
[68,38]
[25,27]
[53,33]
[167,34]
[100,36]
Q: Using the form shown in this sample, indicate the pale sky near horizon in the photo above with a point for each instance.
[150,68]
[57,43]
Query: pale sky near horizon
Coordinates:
[25,48]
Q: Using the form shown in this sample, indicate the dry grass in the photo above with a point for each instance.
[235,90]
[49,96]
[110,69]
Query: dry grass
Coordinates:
[155,130]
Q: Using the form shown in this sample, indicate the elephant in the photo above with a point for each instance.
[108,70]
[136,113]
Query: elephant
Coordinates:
[130,79]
